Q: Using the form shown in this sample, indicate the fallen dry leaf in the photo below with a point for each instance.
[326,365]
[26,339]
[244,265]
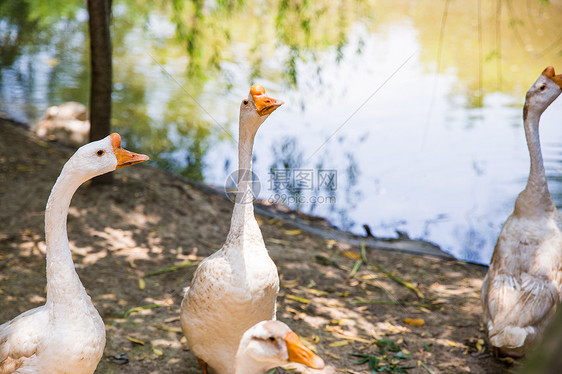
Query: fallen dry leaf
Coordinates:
[507,360]
[298,298]
[451,343]
[314,291]
[338,321]
[450,364]
[389,328]
[278,241]
[290,283]
[414,321]
[354,338]
[480,345]
[293,232]
[24,168]
[332,355]
[136,341]
[339,343]
[351,255]
[166,328]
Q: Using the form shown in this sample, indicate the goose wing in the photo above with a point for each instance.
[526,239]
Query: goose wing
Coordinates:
[20,339]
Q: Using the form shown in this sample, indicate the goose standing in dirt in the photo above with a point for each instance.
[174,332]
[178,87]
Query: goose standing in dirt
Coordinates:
[270,344]
[237,286]
[522,289]
[67,334]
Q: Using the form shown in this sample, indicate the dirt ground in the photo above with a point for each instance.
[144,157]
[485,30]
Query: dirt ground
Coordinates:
[150,220]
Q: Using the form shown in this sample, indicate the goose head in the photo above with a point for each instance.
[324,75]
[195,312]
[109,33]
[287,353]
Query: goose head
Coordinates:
[269,344]
[544,91]
[255,109]
[100,157]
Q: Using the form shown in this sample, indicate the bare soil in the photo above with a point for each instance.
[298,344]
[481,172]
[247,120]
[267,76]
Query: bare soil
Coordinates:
[151,220]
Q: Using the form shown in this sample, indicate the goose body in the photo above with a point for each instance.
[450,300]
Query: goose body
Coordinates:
[237,286]
[67,334]
[270,344]
[523,286]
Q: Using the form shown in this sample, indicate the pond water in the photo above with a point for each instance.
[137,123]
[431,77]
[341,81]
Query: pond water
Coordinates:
[402,115]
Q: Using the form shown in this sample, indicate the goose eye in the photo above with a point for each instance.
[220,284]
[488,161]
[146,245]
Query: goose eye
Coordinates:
[100,152]
[542,87]
[272,339]
[246,102]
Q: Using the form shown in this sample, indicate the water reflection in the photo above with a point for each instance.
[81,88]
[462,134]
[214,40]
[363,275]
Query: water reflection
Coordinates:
[39,59]
[437,152]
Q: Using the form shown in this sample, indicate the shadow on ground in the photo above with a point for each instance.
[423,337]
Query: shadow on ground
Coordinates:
[342,303]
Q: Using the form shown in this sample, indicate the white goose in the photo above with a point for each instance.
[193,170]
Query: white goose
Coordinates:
[237,286]
[66,335]
[270,344]
[523,286]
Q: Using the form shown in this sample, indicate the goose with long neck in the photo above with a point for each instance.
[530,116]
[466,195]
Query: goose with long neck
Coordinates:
[67,334]
[270,344]
[523,286]
[237,286]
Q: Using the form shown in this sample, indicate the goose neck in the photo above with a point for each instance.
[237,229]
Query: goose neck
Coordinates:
[62,280]
[536,196]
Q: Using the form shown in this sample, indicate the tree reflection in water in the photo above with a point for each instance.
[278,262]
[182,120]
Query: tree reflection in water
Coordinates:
[181,67]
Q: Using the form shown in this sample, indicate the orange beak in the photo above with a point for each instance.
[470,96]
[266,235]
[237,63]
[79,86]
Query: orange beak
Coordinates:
[124,157]
[264,104]
[301,354]
[549,73]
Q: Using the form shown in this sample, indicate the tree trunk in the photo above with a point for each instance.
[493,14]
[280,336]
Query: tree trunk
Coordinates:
[101,77]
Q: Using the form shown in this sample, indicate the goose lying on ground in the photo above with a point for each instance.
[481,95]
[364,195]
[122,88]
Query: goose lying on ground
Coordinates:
[269,344]
[67,334]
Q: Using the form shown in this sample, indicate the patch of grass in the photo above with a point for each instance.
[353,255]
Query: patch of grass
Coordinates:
[387,360]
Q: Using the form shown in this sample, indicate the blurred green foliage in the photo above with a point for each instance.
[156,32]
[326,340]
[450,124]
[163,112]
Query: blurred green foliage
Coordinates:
[195,44]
